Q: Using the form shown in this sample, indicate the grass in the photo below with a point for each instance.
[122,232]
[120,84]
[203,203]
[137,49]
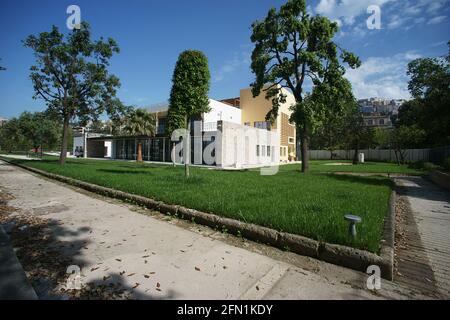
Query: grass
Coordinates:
[312,205]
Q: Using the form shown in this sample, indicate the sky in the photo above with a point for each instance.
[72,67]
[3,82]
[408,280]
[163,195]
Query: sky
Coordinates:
[152,33]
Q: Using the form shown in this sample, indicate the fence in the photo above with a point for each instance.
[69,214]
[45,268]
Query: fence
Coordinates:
[435,155]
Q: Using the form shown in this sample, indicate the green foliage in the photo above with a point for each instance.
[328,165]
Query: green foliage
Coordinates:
[140,122]
[30,130]
[446,164]
[292,47]
[429,110]
[423,165]
[71,76]
[189,94]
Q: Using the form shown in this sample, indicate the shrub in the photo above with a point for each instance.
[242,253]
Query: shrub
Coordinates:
[423,165]
[446,164]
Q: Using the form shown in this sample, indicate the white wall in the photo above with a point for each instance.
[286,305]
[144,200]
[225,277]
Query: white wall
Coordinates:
[78,142]
[221,111]
[108,144]
[236,146]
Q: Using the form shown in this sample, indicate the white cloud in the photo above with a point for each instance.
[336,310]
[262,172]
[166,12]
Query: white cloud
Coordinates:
[382,77]
[346,11]
[239,60]
[437,20]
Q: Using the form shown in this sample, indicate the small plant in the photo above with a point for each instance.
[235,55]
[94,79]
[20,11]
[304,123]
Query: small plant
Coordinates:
[224,229]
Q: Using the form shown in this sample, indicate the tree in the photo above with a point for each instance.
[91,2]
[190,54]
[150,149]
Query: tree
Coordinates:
[71,76]
[189,95]
[39,130]
[292,47]
[428,112]
[10,136]
[30,130]
[333,106]
[140,123]
[356,133]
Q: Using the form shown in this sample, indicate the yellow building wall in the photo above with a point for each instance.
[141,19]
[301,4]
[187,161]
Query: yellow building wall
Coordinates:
[256,109]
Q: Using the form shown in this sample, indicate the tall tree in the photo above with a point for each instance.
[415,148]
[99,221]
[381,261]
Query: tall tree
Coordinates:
[291,47]
[189,94]
[332,107]
[430,87]
[71,76]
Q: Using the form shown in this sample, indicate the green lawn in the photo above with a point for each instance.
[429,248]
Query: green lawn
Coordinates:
[311,205]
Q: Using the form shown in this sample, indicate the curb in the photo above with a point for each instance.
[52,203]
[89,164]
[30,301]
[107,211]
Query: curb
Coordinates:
[439,178]
[337,254]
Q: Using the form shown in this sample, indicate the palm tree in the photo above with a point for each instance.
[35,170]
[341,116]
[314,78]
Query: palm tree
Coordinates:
[140,123]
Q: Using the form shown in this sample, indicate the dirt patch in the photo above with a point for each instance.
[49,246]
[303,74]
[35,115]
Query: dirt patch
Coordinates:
[50,209]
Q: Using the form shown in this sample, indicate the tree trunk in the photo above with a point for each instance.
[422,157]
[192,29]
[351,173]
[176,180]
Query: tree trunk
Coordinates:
[305,150]
[187,152]
[139,152]
[65,137]
[355,156]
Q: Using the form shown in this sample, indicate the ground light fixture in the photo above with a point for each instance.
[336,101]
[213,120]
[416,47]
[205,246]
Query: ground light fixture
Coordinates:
[352,220]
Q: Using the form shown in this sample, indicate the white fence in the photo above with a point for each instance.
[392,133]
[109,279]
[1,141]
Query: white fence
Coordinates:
[436,155]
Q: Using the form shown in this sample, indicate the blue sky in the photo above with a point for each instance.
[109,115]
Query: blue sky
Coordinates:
[152,33]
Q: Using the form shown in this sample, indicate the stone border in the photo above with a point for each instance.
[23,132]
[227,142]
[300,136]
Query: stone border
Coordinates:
[337,254]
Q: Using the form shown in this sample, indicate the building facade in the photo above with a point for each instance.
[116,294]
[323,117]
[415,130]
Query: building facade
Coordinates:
[236,128]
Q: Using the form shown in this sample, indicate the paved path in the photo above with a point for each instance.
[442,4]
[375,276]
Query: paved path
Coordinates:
[14,284]
[423,251]
[107,237]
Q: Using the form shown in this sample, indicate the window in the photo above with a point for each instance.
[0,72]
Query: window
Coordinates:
[257,150]
[262,125]
[161,126]
[247,124]
[370,122]
[263,151]
[268,151]
[291,140]
[381,121]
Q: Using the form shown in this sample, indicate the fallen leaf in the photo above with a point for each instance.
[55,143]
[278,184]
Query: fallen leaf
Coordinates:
[119,260]
[131,274]
[136,285]
[197,268]
[93,269]
[158,285]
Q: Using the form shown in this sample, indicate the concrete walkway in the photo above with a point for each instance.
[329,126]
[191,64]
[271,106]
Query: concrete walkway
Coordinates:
[155,257]
[423,246]
[13,281]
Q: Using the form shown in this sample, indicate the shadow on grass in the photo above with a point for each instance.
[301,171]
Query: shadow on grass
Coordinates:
[370,180]
[129,171]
